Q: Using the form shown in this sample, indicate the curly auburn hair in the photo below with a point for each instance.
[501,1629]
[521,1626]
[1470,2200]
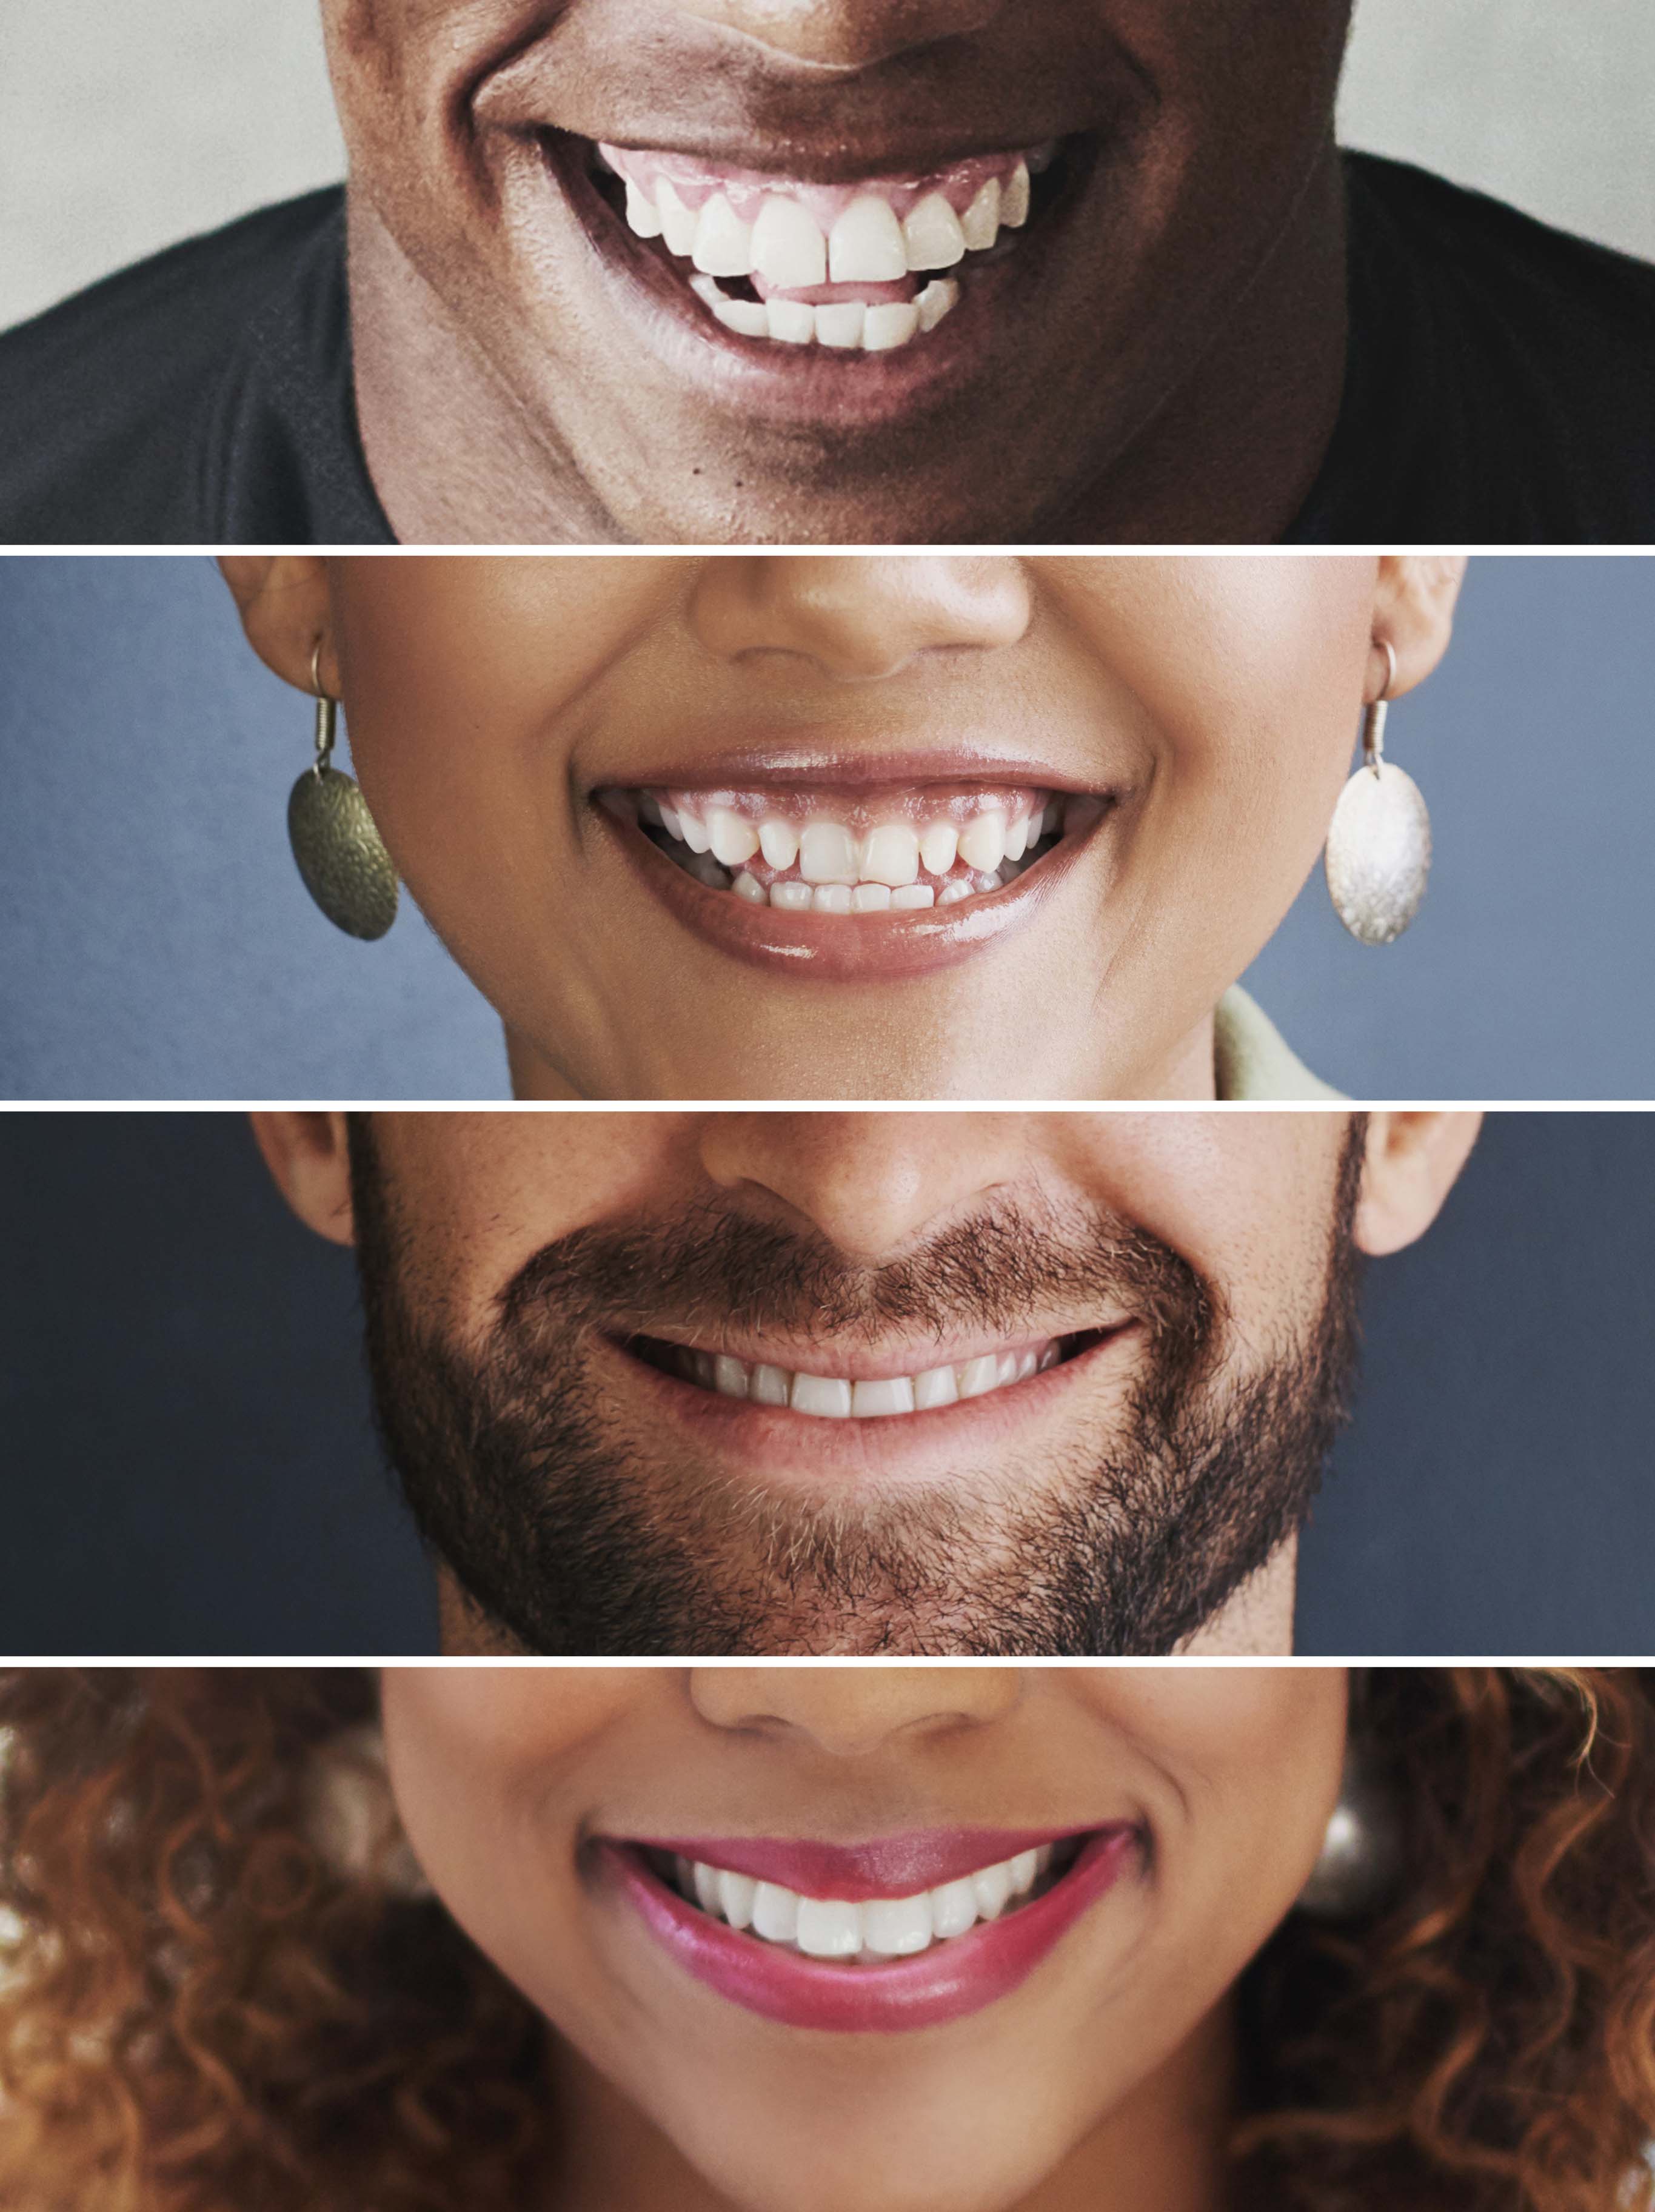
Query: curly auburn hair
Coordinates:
[200,2012]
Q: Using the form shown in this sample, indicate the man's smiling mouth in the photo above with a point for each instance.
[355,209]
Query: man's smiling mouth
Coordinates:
[866,267]
[843,1397]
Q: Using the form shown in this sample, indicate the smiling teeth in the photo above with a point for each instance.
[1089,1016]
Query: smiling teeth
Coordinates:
[879,1927]
[875,326]
[935,852]
[838,1398]
[784,237]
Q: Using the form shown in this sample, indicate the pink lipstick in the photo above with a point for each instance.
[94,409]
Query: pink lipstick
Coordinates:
[795,1900]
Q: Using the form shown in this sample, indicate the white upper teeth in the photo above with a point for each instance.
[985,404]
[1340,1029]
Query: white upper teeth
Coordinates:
[818,859]
[837,1397]
[788,248]
[794,238]
[879,1927]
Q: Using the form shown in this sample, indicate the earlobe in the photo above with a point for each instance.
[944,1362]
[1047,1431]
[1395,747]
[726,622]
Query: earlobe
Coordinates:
[1413,607]
[1411,1164]
[308,1156]
[284,605]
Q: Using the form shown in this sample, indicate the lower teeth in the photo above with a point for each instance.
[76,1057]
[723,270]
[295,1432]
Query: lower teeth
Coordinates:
[792,895]
[852,325]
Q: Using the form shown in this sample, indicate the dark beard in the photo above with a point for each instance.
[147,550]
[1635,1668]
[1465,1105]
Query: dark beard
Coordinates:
[560,1542]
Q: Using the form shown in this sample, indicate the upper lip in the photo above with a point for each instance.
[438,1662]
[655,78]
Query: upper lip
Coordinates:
[786,149]
[898,1865]
[837,165]
[821,763]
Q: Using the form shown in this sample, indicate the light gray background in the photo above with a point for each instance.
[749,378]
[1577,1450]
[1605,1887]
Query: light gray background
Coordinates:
[190,1467]
[155,941]
[127,124]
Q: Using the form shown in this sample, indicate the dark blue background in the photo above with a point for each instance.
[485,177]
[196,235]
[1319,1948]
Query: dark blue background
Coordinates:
[190,1467]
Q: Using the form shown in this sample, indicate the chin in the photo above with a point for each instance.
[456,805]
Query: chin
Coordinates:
[880,2177]
[878,2151]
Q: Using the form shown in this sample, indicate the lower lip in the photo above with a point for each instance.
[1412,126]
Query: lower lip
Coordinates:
[847,948]
[953,1978]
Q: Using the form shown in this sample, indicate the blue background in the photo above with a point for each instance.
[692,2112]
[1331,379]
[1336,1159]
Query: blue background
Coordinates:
[155,941]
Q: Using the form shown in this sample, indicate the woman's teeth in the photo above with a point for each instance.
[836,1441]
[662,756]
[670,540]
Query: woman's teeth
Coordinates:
[809,858]
[828,264]
[837,1397]
[879,1928]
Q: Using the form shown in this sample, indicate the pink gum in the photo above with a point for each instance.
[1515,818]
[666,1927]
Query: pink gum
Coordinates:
[943,803]
[695,182]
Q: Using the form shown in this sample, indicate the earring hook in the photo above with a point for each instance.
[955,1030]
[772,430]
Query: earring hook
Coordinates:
[327,711]
[1374,715]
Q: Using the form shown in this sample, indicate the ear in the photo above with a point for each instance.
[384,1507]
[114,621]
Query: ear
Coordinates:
[1409,1166]
[309,1156]
[1413,607]
[285,608]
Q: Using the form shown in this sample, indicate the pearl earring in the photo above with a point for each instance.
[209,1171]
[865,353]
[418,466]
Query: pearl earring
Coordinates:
[1361,1861]
[1379,845]
[336,844]
[350,1816]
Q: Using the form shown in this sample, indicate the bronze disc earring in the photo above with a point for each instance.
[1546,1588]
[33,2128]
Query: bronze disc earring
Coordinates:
[1379,845]
[336,844]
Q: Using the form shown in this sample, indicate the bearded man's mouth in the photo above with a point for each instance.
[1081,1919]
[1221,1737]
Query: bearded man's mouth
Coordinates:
[831,1397]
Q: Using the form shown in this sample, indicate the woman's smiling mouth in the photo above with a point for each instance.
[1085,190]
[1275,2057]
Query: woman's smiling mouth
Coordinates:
[966,1920]
[856,881]
[837,852]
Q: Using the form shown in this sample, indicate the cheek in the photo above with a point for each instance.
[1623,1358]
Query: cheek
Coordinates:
[479,1194]
[1246,673]
[473,1755]
[1247,69]
[464,680]
[1254,686]
[392,61]
[1250,1759]
[1246,1198]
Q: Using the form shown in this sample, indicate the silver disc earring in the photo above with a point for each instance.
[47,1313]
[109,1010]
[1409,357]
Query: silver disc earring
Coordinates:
[1360,1863]
[1379,845]
[336,844]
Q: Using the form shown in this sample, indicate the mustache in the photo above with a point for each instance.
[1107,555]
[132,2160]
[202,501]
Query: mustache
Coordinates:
[705,1267]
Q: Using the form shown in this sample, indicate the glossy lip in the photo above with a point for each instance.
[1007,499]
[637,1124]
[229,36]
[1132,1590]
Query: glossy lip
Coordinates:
[804,1451]
[847,948]
[886,1866]
[809,760]
[948,1982]
[848,389]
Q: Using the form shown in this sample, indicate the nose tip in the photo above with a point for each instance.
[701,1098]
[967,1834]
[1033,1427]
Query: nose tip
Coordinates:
[872,1184]
[853,1712]
[846,35]
[859,617]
